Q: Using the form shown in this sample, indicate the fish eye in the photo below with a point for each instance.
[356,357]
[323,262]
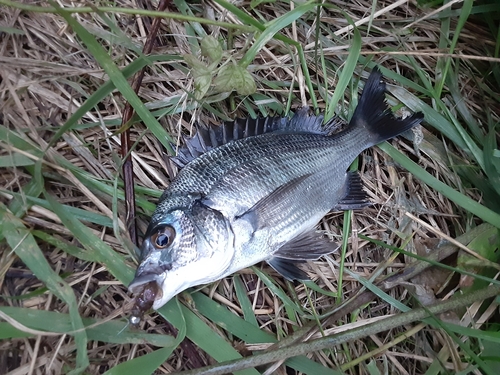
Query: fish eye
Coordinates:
[163,237]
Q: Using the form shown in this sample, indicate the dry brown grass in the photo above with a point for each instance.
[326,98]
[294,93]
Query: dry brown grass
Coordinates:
[46,75]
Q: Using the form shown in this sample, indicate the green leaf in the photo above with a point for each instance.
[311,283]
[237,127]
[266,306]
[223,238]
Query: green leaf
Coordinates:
[234,77]
[273,27]
[202,75]
[15,160]
[201,85]
[104,59]
[95,329]
[211,48]
[24,244]
[256,3]
[346,74]
[147,364]
[194,62]
[100,251]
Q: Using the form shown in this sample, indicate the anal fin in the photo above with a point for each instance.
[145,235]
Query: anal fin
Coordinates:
[306,246]
[288,269]
[355,197]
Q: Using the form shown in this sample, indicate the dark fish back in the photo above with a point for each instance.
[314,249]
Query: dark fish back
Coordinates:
[210,137]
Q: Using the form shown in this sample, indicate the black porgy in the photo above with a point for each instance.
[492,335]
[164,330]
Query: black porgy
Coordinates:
[254,190]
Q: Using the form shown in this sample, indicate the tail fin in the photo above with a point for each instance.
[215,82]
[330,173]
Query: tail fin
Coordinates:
[373,115]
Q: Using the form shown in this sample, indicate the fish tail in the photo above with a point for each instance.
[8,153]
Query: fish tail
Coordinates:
[374,116]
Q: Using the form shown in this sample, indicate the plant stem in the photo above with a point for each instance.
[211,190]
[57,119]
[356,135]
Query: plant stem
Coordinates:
[354,334]
[141,12]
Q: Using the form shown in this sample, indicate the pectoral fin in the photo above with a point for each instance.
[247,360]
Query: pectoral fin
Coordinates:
[268,211]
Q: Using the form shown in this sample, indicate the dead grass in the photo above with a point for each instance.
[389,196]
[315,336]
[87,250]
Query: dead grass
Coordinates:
[46,75]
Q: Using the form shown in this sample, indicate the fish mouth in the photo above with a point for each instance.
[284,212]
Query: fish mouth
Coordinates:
[140,281]
[149,284]
[148,289]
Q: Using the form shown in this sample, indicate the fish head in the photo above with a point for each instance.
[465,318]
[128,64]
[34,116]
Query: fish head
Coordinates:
[181,249]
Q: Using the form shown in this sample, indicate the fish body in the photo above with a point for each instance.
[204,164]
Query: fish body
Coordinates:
[254,190]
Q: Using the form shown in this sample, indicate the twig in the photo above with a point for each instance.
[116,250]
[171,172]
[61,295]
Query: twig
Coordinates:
[328,342]
[127,168]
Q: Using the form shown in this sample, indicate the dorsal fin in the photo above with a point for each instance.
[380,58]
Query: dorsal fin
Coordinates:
[209,137]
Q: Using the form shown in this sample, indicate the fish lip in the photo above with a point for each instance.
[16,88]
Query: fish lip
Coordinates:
[146,272]
[150,270]
[139,281]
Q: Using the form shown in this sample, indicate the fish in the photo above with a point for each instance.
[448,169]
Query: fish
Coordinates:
[254,190]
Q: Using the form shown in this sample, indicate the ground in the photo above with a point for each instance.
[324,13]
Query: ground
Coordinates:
[430,238]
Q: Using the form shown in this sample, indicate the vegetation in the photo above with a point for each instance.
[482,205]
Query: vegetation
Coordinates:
[414,289]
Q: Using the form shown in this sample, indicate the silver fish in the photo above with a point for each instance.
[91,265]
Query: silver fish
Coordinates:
[254,190]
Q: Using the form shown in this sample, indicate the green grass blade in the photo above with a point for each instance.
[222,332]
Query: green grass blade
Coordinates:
[310,367]
[201,334]
[80,214]
[378,292]
[488,335]
[274,27]
[432,117]
[221,316]
[147,364]
[7,331]
[270,283]
[19,206]
[432,262]
[492,162]
[246,306]
[15,160]
[113,331]
[23,243]
[458,198]
[144,365]
[105,90]
[464,15]
[131,11]
[117,78]
[100,252]
[250,333]
[346,75]
[346,230]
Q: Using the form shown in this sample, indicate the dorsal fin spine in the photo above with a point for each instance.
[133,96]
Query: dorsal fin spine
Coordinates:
[209,137]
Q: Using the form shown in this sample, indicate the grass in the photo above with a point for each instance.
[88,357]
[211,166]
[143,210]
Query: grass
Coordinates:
[376,307]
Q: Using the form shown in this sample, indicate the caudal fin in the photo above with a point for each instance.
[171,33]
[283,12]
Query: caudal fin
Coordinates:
[373,114]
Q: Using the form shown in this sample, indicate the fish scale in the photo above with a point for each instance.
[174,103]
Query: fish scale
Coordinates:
[254,190]
[285,157]
[299,155]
